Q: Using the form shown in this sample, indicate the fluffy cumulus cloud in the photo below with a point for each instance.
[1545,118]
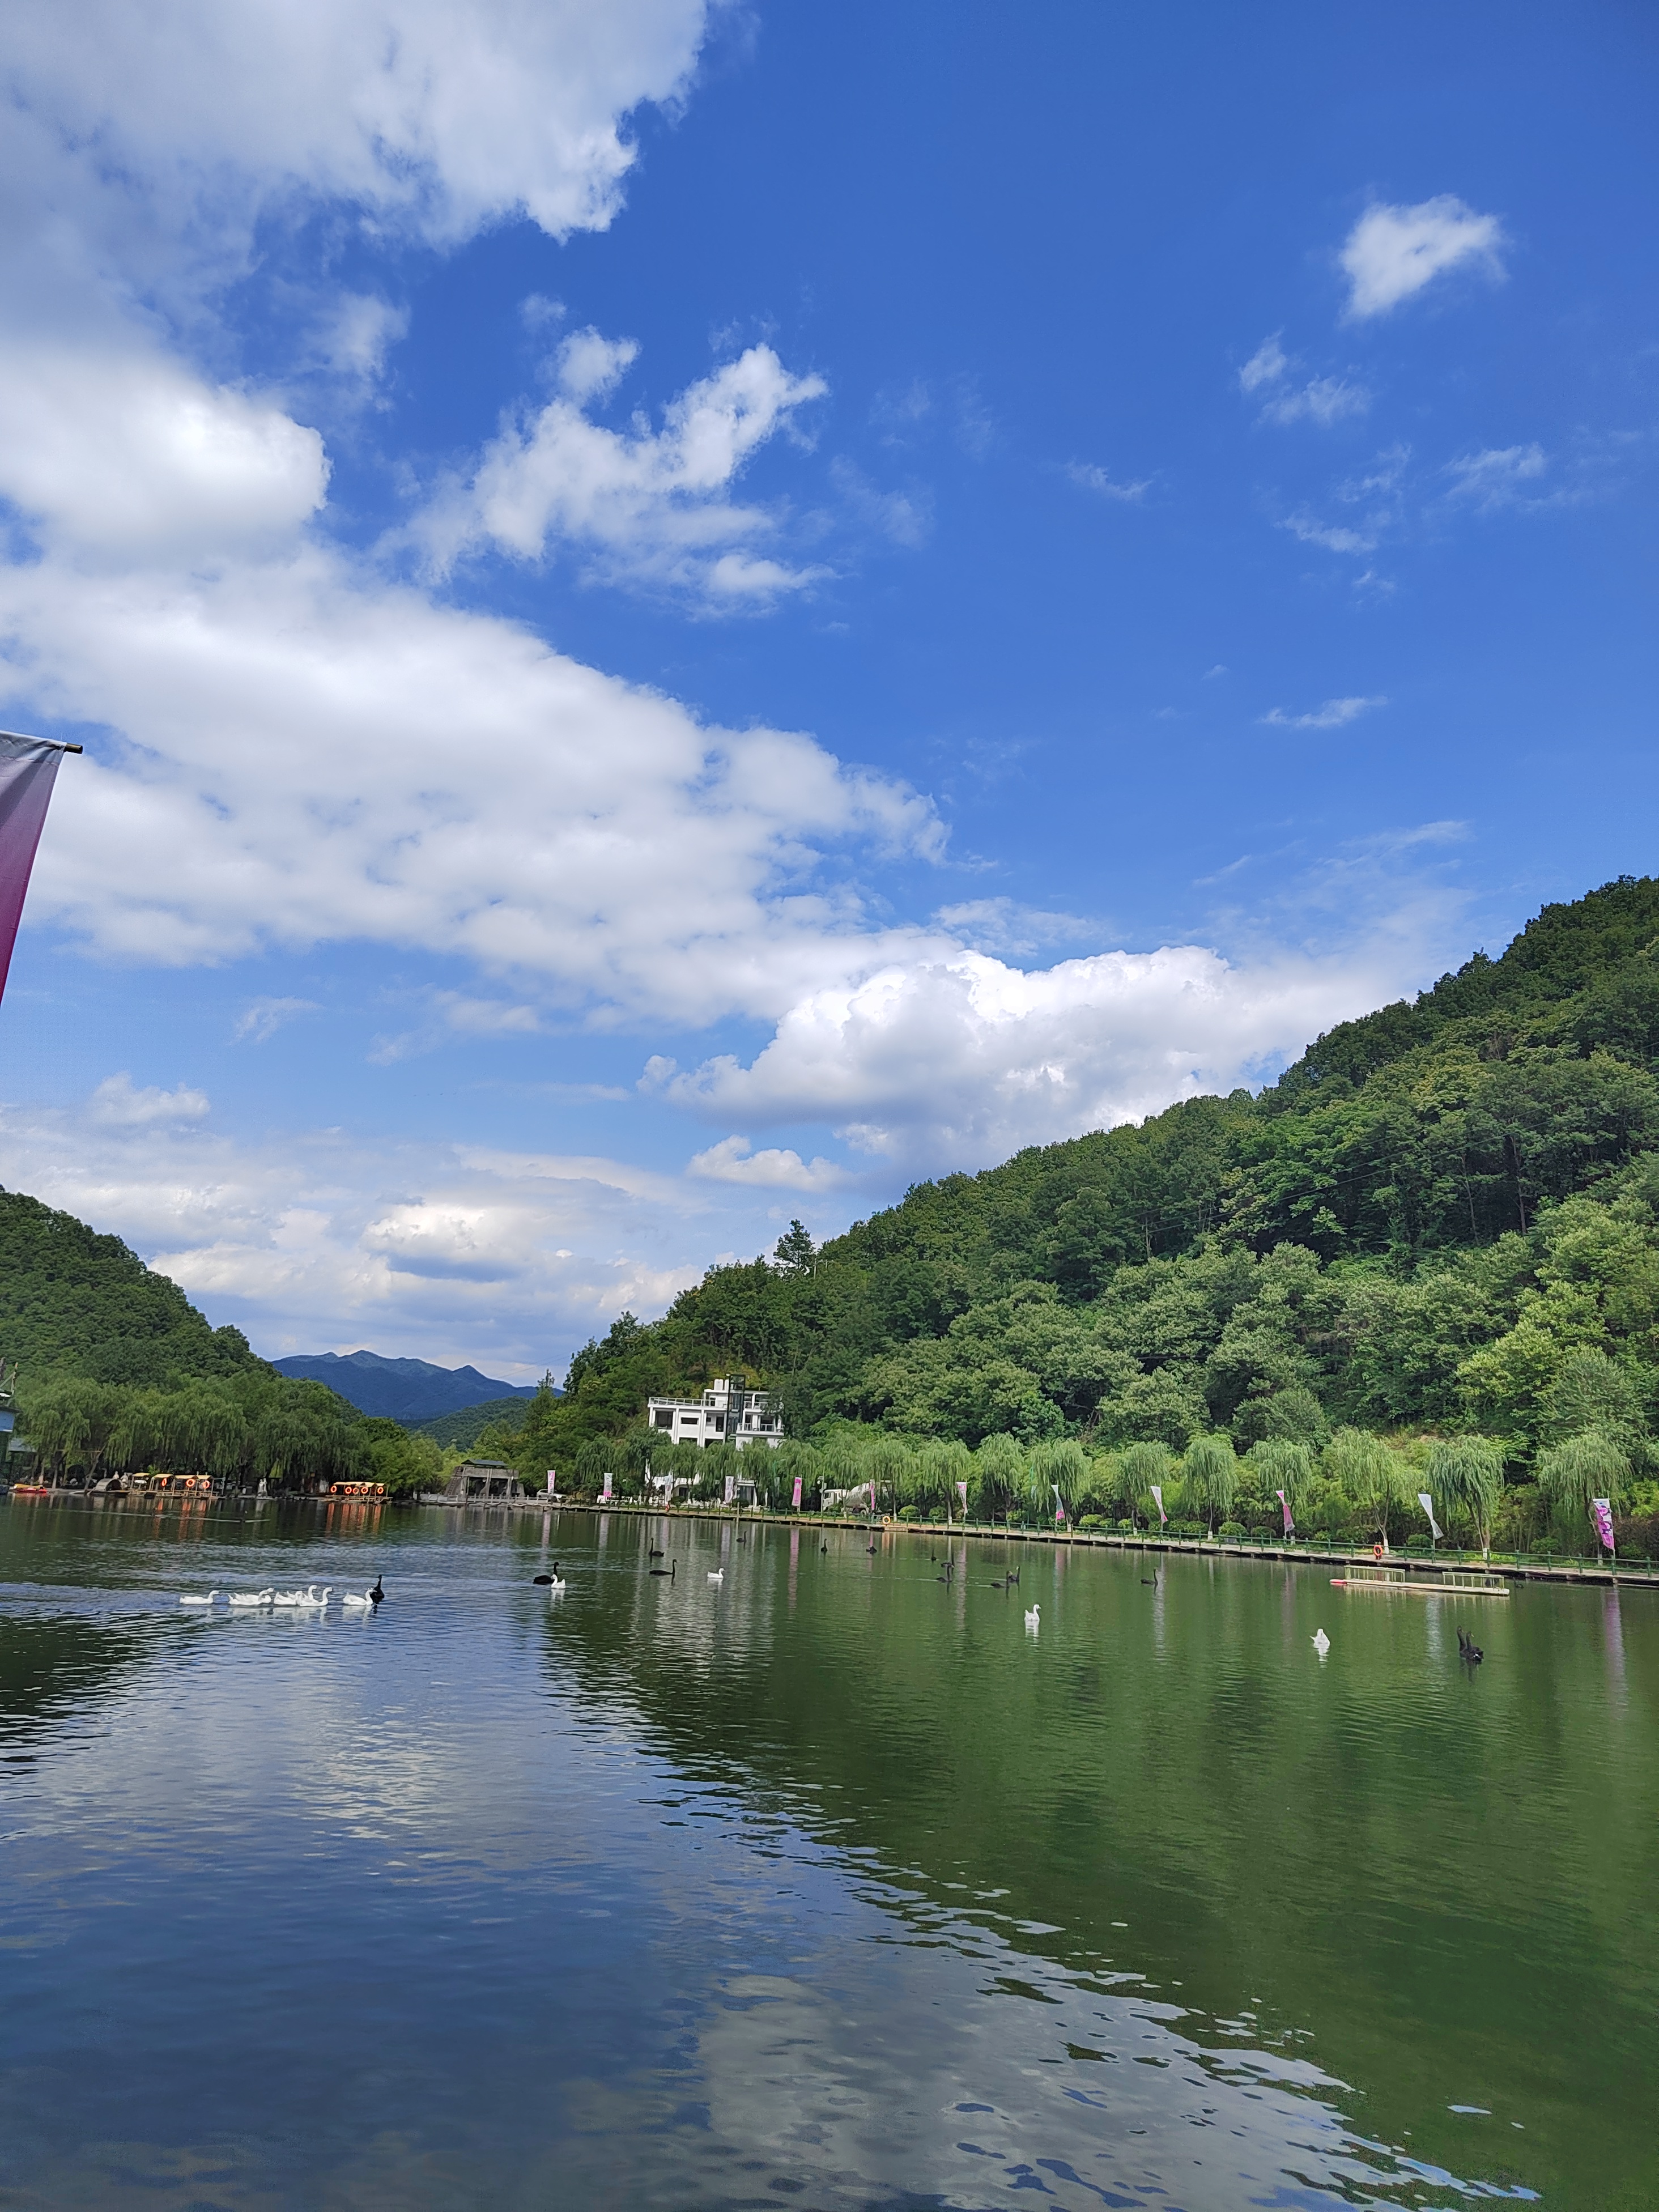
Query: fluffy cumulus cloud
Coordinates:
[432,118]
[644,504]
[957,1061]
[313,755]
[1393,252]
[734,1160]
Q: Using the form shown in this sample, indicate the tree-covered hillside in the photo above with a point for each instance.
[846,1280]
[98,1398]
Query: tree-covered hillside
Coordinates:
[1444,1218]
[73,1302]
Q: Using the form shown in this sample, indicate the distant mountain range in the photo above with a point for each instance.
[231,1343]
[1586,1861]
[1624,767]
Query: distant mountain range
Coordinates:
[406,1390]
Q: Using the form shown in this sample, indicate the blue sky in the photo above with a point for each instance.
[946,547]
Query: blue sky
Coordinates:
[683,618]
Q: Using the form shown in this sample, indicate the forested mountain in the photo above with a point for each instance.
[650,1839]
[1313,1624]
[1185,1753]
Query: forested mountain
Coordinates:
[412,1391]
[1443,1218]
[73,1302]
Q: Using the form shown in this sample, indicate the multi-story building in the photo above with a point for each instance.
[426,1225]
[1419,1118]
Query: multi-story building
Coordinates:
[727,1413]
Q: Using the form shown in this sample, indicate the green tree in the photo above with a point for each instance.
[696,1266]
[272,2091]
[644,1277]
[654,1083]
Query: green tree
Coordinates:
[1466,1472]
[1377,1479]
[1210,1471]
[1578,1470]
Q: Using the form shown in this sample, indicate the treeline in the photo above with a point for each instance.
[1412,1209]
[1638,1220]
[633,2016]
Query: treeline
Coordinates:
[241,1430]
[1442,1223]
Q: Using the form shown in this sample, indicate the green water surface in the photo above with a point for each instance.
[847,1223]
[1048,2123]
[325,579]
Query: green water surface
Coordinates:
[863,1891]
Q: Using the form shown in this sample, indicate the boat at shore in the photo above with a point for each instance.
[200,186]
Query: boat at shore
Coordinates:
[1453,1581]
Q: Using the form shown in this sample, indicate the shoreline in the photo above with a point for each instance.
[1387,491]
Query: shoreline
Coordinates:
[1599,1575]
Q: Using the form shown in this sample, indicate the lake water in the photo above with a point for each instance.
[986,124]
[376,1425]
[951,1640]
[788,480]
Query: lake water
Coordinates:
[827,1886]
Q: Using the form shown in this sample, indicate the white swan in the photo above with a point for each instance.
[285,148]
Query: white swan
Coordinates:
[256,1597]
[1032,1619]
[288,1597]
[312,1599]
[717,1574]
[208,1600]
[363,1604]
[556,1583]
[1322,1642]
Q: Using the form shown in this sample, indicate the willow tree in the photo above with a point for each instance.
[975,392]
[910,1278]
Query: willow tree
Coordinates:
[889,1464]
[1378,1480]
[1060,1466]
[999,1474]
[792,1458]
[1279,1465]
[1143,1465]
[1579,1468]
[1468,1474]
[71,1424]
[1209,1469]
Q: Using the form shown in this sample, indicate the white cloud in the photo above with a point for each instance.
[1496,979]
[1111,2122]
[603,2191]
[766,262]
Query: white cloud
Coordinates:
[311,1239]
[1498,476]
[262,1018]
[1266,364]
[649,505]
[1333,716]
[957,1062]
[124,452]
[320,755]
[1334,537]
[434,120]
[1003,925]
[1392,253]
[117,1103]
[1095,479]
[732,1161]
[1322,399]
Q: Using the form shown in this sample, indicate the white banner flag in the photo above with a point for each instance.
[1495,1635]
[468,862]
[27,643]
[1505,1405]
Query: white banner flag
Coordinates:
[962,1492]
[605,1493]
[1157,1500]
[1427,1504]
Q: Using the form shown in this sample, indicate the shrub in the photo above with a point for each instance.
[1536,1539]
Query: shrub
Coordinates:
[1232,1532]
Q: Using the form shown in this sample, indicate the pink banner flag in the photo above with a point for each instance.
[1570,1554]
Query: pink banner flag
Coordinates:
[962,1492]
[872,1500]
[794,1503]
[1060,1509]
[1601,1513]
[1290,1524]
[28,767]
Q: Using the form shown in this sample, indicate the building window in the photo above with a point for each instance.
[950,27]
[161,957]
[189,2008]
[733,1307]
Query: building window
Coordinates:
[665,1420]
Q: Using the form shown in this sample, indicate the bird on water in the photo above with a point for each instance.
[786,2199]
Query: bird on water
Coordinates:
[1469,1648]
[553,1578]
[1322,1642]
[377,1594]
[1033,1616]
[667,1572]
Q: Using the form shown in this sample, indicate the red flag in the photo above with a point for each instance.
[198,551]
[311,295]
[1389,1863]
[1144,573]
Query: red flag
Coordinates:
[28,767]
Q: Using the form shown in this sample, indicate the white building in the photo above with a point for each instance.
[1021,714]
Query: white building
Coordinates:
[727,1413]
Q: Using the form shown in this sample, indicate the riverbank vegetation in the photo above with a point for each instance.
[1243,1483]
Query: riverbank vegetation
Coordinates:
[240,1430]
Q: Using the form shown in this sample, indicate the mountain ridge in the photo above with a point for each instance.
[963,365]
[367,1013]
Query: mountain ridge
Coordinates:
[411,1391]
